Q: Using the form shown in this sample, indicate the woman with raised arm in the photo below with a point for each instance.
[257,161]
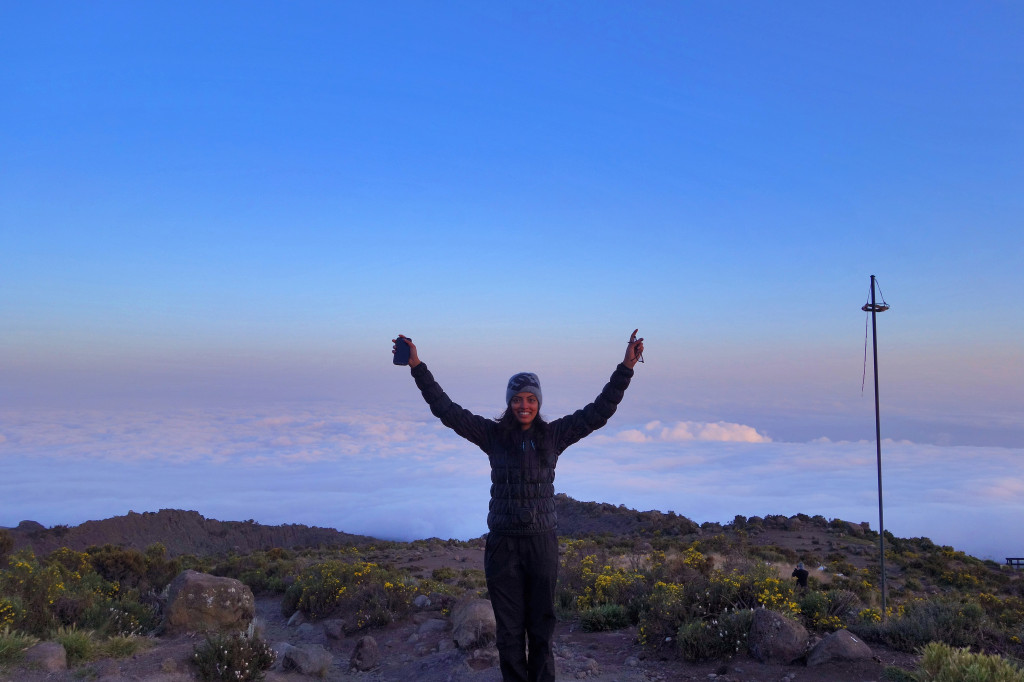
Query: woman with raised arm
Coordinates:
[521,556]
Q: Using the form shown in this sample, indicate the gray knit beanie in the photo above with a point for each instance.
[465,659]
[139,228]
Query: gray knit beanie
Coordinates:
[524,382]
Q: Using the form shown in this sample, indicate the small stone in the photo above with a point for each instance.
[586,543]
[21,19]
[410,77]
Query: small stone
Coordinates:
[334,629]
[311,659]
[366,655]
[432,625]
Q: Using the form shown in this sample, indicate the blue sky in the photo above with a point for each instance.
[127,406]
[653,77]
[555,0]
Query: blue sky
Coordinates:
[232,209]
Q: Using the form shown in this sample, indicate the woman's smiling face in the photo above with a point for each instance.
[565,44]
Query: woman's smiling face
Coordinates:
[524,407]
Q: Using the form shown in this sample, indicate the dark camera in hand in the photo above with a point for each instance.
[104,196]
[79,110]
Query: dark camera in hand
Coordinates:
[526,515]
[402,351]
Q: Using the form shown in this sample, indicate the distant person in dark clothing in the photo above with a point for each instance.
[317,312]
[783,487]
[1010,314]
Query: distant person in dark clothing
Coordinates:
[521,556]
[800,573]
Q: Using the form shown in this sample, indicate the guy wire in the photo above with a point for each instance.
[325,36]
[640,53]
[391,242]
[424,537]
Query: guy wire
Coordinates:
[867,318]
[864,371]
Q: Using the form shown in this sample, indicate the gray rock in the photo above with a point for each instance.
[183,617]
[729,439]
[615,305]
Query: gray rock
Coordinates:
[366,655]
[309,659]
[281,650]
[484,658]
[841,645]
[296,619]
[334,629]
[432,625]
[774,638]
[199,602]
[473,623]
[421,602]
[50,656]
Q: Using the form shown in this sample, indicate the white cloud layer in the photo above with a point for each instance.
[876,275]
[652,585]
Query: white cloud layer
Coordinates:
[389,476]
[682,431]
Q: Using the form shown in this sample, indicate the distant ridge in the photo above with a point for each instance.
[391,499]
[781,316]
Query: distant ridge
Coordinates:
[188,532]
[181,532]
[579,519]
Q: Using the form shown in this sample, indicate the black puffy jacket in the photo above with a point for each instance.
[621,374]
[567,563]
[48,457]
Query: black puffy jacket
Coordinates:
[523,462]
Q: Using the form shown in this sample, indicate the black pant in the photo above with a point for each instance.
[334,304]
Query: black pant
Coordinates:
[521,575]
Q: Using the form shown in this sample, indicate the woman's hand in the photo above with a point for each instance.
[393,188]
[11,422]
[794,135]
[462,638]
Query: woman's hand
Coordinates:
[414,358]
[634,350]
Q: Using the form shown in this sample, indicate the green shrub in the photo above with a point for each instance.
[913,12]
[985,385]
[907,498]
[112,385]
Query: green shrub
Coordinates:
[123,617]
[31,589]
[379,604]
[718,638]
[690,564]
[375,595]
[120,646]
[810,560]
[842,603]
[943,619]
[604,617]
[472,579]
[943,663]
[8,612]
[443,574]
[125,567]
[893,673]
[13,644]
[667,608]
[234,658]
[814,608]
[6,544]
[80,645]
[264,572]
[774,554]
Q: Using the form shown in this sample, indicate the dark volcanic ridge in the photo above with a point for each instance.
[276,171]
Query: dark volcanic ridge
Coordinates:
[181,532]
[188,532]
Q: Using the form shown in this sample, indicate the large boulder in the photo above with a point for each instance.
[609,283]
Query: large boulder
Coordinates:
[49,656]
[774,638]
[199,602]
[473,624]
[841,645]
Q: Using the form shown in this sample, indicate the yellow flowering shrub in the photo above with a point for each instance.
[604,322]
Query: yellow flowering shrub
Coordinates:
[376,595]
[7,613]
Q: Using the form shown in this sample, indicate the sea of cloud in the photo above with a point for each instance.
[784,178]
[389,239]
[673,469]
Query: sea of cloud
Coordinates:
[379,472]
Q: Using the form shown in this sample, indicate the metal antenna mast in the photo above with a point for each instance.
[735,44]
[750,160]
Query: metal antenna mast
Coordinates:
[875,308]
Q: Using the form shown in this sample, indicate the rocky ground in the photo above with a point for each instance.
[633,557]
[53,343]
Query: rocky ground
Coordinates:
[411,652]
[420,649]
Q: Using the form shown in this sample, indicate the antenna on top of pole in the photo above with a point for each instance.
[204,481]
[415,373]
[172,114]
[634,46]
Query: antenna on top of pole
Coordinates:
[873,307]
